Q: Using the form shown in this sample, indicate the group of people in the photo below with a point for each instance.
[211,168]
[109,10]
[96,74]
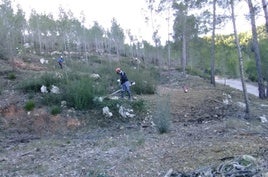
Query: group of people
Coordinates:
[125,83]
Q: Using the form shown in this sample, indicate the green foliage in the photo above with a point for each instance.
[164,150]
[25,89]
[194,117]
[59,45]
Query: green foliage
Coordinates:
[197,72]
[145,80]
[34,84]
[79,94]
[139,105]
[11,76]
[49,79]
[29,106]
[55,110]
[51,98]
[31,85]
[251,71]
[264,56]
[232,66]
[112,104]
[162,115]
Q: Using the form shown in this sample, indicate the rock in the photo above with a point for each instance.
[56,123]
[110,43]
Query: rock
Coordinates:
[95,76]
[125,112]
[55,89]
[43,89]
[241,105]
[106,112]
[63,104]
[263,119]
[42,60]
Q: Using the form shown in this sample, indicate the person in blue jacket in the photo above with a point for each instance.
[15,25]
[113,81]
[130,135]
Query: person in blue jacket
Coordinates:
[125,84]
[60,61]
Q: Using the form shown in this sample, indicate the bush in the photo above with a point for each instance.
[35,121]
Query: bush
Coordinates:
[145,81]
[51,98]
[11,76]
[31,85]
[162,115]
[34,84]
[139,105]
[79,94]
[29,106]
[197,72]
[55,110]
[49,79]
[251,71]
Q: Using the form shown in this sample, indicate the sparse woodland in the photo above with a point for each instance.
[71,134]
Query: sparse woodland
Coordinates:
[65,122]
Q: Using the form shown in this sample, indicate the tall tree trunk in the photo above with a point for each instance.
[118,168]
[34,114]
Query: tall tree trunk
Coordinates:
[212,60]
[183,59]
[264,6]
[240,57]
[256,49]
[184,45]
[39,38]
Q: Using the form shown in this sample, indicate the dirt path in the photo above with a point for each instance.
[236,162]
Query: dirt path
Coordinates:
[235,83]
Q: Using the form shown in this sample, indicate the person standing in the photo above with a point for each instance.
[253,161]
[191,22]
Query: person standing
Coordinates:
[125,84]
[60,61]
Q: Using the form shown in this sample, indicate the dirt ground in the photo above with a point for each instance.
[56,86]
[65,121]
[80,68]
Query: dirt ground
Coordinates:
[207,125]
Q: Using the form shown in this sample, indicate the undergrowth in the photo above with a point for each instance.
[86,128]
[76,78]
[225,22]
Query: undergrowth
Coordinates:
[78,89]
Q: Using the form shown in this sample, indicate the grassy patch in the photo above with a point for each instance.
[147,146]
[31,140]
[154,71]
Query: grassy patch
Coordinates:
[55,110]
[29,106]
[146,81]
[11,76]
[34,84]
[79,94]
[139,105]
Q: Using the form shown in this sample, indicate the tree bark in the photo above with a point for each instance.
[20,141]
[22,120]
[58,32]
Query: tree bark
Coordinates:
[184,44]
[212,60]
[264,6]
[240,58]
[256,50]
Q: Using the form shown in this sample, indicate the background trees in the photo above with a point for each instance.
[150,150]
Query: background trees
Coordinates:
[194,46]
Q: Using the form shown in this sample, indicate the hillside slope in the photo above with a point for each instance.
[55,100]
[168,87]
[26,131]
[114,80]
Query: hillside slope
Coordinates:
[204,130]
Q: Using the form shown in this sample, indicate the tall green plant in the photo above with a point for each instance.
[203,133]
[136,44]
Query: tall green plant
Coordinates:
[162,115]
[79,93]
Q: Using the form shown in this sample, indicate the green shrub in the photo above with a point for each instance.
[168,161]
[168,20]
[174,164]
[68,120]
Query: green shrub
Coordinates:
[11,76]
[31,85]
[34,84]
[49,79]
[51,98]
[251,71]
[197,72]
[29,106]
[55,110]
[79,94]
[146,81]
[162,115]
[139,105]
